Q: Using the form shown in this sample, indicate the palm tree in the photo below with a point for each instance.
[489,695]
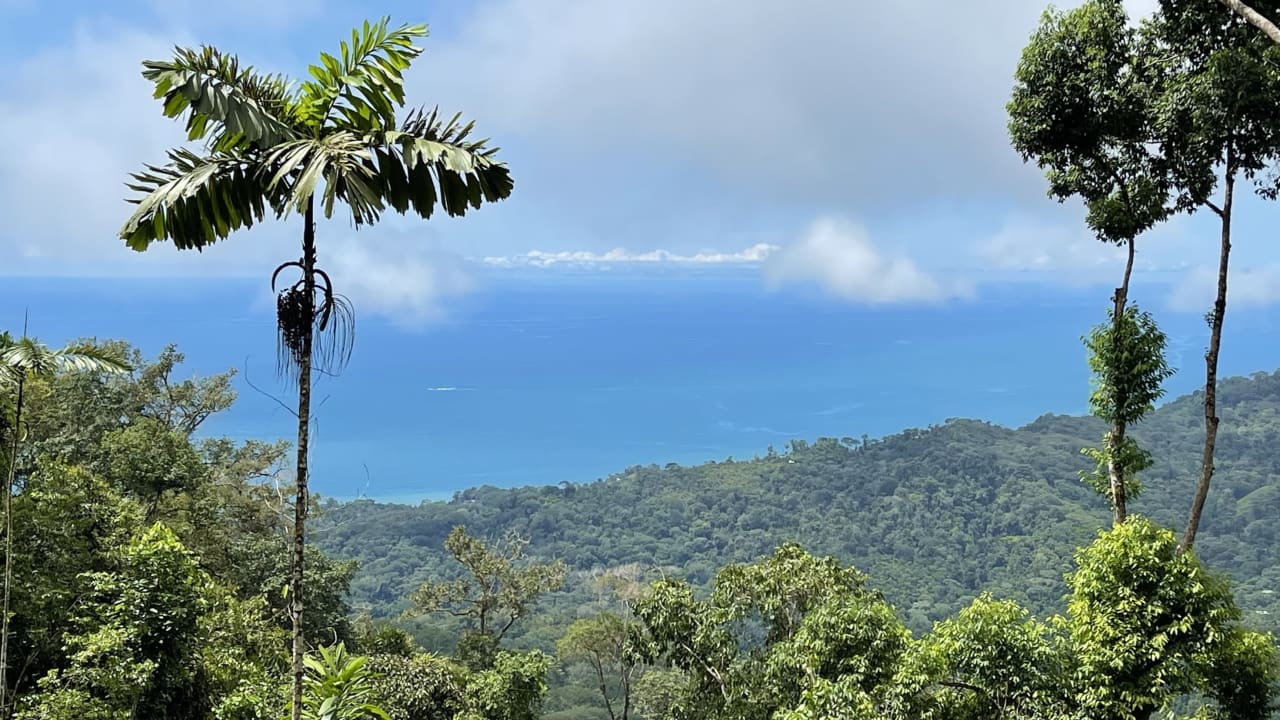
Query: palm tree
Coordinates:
[21,360]
[272,147]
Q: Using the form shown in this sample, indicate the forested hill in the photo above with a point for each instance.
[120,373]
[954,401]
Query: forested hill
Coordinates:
[932,515]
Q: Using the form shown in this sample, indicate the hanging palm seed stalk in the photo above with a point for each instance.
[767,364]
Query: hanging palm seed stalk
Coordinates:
[331,315]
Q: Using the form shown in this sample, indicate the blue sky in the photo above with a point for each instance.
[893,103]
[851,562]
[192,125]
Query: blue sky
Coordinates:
[859,147]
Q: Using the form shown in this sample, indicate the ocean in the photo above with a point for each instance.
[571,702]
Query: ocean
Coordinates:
[548,376]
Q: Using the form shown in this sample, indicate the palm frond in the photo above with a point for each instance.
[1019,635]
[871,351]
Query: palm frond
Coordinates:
[82,357]
[340,160]
[427,162]
[430,160]
[365,84]
[27,356]
[8,375]
[197,200]
[230,106]
[334,140]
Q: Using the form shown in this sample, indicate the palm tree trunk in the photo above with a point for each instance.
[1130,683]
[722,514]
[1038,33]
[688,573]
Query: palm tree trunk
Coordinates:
[1115,438]
[10,477]
[1211,365]
[304,417]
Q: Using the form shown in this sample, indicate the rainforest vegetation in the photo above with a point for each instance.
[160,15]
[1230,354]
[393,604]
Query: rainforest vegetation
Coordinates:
[151,564]
[1120,566]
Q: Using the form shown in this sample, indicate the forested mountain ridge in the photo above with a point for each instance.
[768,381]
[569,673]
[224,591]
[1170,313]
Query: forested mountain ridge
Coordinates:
[116,482]
[934,516]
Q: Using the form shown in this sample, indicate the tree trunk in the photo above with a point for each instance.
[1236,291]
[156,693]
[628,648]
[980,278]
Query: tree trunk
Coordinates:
[10,477]
[1211,366]
[626,695]
[598,664]
[304,418]
[1254,18]
[1115,438]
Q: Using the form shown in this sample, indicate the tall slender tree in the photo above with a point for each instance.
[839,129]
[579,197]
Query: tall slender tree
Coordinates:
[272,148]
[1149,121]
[1217,123]
[1081,110]
[1128,362]
[22,360]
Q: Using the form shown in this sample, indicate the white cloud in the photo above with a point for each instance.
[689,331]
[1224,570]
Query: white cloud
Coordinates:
[1246,287]
[698,128]
[1060,250]
[1026,245]
[840,257]
[585,258]
[80,136]
[824,101]
[406,283]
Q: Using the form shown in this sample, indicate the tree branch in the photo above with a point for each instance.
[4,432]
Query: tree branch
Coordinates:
[1210,204]
[168,394]
[1254,18]
[711,670]
[962,686]
[512,621]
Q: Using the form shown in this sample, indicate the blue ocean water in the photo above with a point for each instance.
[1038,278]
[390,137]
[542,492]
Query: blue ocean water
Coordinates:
[548,376]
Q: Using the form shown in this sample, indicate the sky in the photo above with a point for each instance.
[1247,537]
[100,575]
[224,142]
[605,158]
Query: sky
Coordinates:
[854,146]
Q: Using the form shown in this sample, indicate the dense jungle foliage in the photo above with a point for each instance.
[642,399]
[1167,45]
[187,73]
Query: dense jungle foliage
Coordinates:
[935,517]
[959,572]
[150,563]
